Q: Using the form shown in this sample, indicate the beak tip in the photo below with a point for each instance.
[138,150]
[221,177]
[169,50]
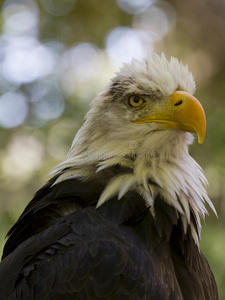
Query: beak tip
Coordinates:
[201,138]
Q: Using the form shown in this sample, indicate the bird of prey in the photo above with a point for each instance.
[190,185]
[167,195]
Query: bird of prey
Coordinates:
[121,216]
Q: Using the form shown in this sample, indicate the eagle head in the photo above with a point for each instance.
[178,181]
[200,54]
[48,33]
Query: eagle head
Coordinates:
[142,123]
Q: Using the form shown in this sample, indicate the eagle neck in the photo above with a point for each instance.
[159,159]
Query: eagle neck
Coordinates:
[156,167]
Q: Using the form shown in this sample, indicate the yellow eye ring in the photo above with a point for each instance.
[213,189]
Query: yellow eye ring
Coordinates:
[135,101]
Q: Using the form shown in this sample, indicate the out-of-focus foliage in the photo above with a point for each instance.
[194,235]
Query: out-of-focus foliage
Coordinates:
[56,55]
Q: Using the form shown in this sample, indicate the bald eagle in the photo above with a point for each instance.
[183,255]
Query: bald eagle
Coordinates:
[120,218]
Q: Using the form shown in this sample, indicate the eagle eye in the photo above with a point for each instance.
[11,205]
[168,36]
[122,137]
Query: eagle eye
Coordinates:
[135,101]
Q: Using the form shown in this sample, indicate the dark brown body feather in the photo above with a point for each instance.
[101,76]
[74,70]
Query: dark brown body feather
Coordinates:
[118,251]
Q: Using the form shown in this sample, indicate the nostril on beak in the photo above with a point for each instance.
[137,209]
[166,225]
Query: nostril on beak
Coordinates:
[178,103]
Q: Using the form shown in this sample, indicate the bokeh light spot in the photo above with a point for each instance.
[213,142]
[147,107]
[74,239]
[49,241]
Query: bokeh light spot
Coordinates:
[24,156]
[49,103]
[80,65]
[135,6]
[26,60]
[82,60]
[13,109]
[157,20]
[123,44]
[20,18]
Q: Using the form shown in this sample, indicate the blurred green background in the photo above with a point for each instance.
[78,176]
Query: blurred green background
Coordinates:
[55,55]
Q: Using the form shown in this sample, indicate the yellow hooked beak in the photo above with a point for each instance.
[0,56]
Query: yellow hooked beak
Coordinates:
[181,111]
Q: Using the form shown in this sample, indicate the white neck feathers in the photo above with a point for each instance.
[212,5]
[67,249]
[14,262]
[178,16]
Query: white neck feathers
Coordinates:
[166,170]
